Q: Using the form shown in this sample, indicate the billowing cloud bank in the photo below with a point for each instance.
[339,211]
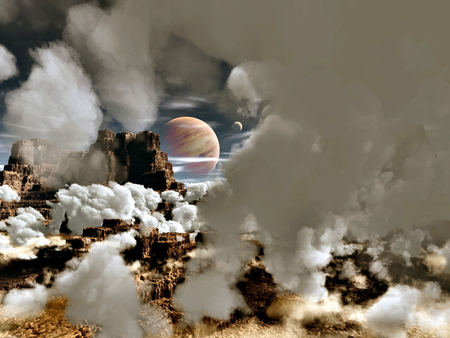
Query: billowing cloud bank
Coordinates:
[89,206]
[335,154]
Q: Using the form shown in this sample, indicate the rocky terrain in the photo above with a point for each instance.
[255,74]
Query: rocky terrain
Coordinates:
[37,169]
[162,259]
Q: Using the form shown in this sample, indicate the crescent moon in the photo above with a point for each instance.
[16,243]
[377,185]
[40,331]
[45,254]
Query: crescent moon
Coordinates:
[237,126]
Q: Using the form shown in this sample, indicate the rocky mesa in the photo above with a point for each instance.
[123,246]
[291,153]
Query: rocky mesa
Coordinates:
[38,168]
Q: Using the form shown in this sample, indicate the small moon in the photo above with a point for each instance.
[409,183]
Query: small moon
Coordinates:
[237,126]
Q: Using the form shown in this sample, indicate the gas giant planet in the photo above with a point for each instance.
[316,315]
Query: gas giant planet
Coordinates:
[194,140]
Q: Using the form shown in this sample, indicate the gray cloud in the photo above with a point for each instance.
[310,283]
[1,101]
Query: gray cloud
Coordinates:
[430,108]
[327,160]
[8,68]
[185,68]
[419,56]
[35,16]
[115,49]
[56,102]
[9,10]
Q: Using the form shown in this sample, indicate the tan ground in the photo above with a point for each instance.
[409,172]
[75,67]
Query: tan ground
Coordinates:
[51,323]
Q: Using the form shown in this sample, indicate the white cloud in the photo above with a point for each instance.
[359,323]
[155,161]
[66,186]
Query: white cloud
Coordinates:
[239,136]
[8,68]
[195,159]
[25,302]
[171,196]
[178,168]
[7,194]
[403,307]
[196,191]
[115,48]
[180,104]
[56,102]
[102,291]
[28,251]
[186,214]
[88,206]
[28,224]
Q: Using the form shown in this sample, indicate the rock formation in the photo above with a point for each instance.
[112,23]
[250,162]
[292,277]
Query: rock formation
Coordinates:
[37,168]
[125,157]
[162,258]
[33,190]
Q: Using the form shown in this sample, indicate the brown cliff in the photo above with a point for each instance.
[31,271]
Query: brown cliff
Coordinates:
[37,168]
[125,157]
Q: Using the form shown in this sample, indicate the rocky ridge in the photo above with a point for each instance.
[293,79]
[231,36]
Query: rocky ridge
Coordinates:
[124,157]
[37,168]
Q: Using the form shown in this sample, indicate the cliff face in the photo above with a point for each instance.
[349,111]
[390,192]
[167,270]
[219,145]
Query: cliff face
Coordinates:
[125,157]
[31,181]
[38,166]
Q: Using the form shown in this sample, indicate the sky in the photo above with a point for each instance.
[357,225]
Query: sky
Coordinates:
[28,26]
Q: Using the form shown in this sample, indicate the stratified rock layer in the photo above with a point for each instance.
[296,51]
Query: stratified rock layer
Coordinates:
[125,157]
[37,168]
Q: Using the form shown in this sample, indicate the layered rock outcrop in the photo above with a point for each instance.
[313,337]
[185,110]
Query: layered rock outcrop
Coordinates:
[155,249]
[33,190]
[37,168]
[125,157]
